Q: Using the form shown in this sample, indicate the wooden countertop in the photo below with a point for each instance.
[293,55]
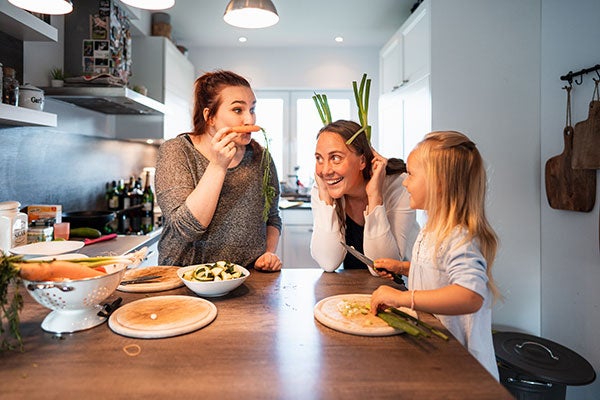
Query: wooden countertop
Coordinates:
[263,344]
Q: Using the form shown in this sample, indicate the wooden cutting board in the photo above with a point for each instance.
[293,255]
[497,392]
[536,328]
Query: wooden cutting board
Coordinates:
[586,141]
[162,316]
[326,312]
[168,279]
[568,188]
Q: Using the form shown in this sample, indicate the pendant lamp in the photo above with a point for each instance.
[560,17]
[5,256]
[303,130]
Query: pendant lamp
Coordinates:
[50,7]
[251,13]
[150,4]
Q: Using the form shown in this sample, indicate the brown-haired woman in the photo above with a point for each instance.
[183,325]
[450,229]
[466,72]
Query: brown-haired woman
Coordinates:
[358,199]
[209,183]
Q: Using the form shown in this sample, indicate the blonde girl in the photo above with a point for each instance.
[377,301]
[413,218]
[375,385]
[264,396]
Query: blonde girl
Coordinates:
[450,271]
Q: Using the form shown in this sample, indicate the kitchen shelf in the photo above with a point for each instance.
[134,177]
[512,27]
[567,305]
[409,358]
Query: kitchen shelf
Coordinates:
[24,26]
[20,116]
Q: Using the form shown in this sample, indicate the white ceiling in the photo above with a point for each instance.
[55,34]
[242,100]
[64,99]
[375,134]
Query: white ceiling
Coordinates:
[199,23]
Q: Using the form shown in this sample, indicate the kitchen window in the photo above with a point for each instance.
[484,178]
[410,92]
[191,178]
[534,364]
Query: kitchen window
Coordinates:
[291,122]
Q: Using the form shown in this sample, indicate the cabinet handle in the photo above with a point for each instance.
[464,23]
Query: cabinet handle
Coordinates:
[404,82]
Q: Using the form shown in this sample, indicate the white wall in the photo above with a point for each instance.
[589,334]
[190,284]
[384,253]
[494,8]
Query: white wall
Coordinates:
[485,83]
[297,68]
[570,254]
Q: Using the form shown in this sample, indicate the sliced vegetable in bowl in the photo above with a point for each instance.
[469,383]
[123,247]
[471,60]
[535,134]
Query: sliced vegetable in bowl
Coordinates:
[213,279]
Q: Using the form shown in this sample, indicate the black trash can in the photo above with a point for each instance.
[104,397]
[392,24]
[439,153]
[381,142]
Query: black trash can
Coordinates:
[533,368]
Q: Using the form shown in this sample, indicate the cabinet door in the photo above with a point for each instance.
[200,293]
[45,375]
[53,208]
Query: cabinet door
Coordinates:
[416,46]
[390,61]
[296,247]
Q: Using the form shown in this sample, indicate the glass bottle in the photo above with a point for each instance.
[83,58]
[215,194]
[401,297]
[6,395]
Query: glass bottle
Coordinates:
[147,206]
[10,87]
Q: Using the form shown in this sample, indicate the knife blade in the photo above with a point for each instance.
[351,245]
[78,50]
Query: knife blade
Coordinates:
[367,261]
[141,279]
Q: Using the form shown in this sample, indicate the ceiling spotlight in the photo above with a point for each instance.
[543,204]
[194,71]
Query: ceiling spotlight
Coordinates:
[339,39]
[242,39]
[251,13]
[150,4]
[51,7]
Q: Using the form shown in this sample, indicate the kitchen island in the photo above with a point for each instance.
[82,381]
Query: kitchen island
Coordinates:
[263,344]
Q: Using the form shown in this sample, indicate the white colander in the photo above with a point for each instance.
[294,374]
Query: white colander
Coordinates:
[75,304]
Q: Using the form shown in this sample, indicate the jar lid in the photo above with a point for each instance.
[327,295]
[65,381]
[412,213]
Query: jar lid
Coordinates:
[27,86]
[9,205]
[542,359]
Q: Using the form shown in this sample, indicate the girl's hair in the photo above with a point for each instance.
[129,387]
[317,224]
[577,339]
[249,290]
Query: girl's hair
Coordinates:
[360,146]
[207,94]
[456,183]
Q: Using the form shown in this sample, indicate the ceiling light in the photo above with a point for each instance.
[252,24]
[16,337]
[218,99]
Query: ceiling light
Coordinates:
[51,7]
[339,39]
[251,13]
[150,4]
[242,39]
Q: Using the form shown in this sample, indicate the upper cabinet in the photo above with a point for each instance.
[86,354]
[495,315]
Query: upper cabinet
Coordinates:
[169,77]
[24,26]
[405,58]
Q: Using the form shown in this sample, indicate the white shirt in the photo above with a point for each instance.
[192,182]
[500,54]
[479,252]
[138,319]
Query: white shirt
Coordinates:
[390,229]
[460,264]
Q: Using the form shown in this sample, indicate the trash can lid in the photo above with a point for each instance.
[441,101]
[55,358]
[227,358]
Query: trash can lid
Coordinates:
[542,359]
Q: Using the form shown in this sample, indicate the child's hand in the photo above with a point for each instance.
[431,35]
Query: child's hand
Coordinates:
[384,297]
[390,265]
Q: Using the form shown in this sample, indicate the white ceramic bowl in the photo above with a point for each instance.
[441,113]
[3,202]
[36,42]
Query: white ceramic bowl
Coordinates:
[76,303]
[212,288]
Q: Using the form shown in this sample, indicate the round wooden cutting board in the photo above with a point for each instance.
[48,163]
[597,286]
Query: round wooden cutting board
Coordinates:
[168,280]
[326,312]
[162,316]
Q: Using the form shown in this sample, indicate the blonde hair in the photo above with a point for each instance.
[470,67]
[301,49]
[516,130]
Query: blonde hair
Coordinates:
[456,180]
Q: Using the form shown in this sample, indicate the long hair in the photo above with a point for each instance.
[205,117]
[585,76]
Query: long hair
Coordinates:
[207,94]
[360,146]
[456,183]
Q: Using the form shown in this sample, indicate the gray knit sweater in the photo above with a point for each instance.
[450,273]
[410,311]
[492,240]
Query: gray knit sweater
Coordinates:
[237,232]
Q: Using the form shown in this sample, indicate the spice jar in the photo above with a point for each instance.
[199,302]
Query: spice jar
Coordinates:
[13,225]
[10,87]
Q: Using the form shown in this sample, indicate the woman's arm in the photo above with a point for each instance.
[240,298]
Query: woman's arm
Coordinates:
[325,247]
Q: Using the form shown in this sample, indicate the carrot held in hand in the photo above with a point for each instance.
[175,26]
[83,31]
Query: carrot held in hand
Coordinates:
[246,128]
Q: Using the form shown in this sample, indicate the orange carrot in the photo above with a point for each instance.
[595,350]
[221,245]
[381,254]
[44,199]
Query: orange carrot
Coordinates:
[56,270]
[246,128]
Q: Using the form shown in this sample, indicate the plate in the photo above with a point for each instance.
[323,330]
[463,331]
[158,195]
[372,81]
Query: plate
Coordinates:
[68,256]
[169,279]
[48,248]
[162,316]
[326,312]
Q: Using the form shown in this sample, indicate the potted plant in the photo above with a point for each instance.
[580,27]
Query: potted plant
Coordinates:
[57,77]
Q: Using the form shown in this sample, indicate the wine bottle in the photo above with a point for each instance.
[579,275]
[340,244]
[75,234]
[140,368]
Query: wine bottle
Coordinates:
[147,206]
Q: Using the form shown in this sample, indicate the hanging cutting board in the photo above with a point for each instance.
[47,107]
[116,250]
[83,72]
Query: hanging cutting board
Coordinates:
[162,316]
[568,188]
[586,141]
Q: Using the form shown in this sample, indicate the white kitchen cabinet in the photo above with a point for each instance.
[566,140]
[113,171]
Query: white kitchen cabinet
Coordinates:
[169,77]
[294,244]
[405,58]
[24,26]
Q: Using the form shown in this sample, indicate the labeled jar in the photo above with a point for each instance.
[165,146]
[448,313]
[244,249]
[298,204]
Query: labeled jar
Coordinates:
[10,87]
[13,225]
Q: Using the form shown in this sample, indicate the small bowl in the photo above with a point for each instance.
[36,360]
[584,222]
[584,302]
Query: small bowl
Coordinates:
[212,288]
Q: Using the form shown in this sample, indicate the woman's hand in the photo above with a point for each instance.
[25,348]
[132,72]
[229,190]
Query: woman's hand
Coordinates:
[386,296]
[268,262]
[374,187]
[223,147]
[323,193]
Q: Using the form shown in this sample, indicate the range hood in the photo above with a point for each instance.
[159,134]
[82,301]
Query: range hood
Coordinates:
[107,100]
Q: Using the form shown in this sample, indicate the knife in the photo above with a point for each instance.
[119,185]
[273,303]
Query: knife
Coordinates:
[141,279]
[366,260]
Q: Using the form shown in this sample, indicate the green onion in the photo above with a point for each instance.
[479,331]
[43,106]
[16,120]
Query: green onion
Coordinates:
[323,108]
[361,95]
[419,322]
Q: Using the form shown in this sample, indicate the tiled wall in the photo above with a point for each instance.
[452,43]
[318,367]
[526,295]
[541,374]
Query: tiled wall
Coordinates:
[43,166]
